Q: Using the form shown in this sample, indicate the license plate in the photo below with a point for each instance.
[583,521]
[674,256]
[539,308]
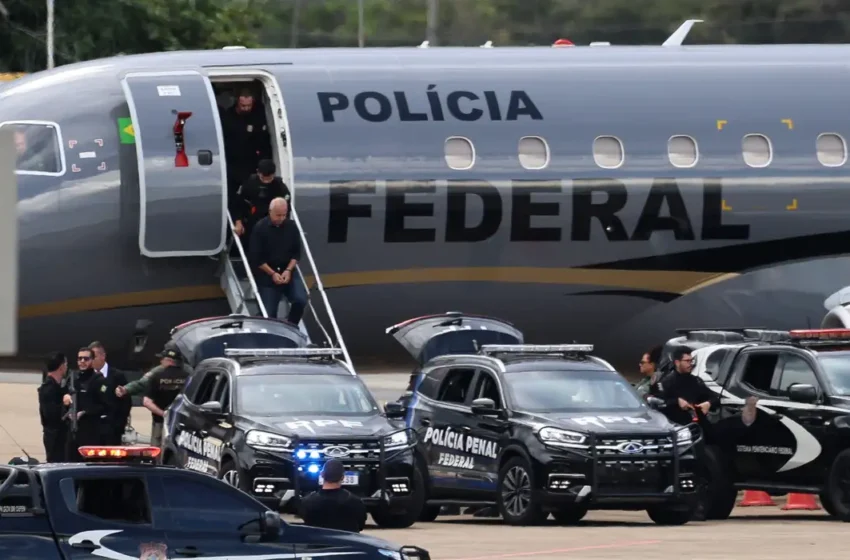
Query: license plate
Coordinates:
[351,479]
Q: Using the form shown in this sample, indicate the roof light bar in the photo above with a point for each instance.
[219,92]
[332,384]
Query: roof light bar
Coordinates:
[820,334]
[291,352]
[118,452]
[536,348]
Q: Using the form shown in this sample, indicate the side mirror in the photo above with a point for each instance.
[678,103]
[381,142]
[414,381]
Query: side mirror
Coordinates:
[395,410]
[655,402]
[213,407]
[802,393]
[484,407]
[270,525]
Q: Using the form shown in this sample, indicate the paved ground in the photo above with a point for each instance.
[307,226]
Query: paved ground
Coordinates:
[752,533]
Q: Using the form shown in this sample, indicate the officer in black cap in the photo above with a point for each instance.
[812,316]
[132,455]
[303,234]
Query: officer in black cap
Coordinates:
[332,506]
[164,384]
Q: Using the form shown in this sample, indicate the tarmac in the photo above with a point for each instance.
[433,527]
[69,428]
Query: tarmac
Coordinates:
[751,533]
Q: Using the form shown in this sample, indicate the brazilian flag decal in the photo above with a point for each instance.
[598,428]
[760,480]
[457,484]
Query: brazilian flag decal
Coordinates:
[126,132]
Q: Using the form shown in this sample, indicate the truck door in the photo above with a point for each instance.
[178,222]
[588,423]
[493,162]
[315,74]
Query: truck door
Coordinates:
[100,514]
[212,519]
[182,172]
[191,431]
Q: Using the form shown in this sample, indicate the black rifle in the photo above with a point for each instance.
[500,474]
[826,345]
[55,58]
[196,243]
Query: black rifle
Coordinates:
[72,390]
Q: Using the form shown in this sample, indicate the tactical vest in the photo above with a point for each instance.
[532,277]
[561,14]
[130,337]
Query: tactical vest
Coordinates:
[167,384]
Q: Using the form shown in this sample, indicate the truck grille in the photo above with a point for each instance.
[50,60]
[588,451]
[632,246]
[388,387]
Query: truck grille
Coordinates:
[634,447]
[345,451]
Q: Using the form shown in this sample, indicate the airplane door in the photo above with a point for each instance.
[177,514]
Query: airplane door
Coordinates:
[182,172]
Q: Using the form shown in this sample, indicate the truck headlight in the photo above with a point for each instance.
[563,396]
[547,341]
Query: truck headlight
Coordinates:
[394,554]
[562,438]
[397,440]
[267,441]
[683,436]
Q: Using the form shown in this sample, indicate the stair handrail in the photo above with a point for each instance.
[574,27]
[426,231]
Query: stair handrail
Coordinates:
[248,271]
[305,246]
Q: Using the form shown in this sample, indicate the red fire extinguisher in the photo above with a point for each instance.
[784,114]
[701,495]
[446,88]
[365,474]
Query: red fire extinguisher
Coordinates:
[180,158]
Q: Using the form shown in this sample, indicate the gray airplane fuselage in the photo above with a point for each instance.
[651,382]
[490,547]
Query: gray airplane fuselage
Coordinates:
[616,256]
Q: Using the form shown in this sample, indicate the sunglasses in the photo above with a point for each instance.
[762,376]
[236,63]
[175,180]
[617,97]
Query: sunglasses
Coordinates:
[83,359]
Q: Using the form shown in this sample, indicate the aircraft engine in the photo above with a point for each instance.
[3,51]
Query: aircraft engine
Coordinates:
[838,310]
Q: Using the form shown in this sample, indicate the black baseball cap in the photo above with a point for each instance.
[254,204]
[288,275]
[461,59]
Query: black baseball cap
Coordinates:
[333,471]
[170,351]
[266,167]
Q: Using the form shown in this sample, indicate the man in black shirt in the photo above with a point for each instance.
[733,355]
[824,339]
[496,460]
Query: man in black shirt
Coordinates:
[251,203]
[246,139]
[165,385]
[275,251]
[52,399]
[333,507]
[688,399]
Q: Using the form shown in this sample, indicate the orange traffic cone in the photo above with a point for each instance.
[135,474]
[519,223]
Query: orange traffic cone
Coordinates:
[756,498]
[801,502]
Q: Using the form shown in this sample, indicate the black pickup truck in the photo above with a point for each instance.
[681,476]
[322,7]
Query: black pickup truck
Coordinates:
[123,511]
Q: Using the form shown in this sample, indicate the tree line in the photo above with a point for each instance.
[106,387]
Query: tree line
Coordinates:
[88,29]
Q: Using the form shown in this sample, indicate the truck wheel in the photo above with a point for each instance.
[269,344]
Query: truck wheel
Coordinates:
[714,486]
[516,499]
[389,516]
[669,514]
[570,515]
[429,513]
[836,495]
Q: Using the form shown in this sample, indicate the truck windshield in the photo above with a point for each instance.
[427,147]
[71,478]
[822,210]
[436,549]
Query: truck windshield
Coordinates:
[565,391]
[292,395]
[836,367]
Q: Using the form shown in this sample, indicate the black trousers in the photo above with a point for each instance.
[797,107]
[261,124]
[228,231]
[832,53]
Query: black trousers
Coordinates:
[88,433]
[55,444]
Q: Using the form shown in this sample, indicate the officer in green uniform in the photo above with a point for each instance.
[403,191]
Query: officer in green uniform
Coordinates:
[161,385]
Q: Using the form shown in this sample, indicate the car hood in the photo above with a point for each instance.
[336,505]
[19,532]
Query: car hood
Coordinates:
[326,426]
[333,538]
[643,421]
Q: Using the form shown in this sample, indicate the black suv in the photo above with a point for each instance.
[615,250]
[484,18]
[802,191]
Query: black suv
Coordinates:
[537,429]
[266,420]
[800,442]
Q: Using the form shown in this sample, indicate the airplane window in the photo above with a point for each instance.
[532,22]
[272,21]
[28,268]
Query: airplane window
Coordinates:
[38,147]
[682,151]
[757,150]
[608,152]
[459,152]
[832,150]
[533,152]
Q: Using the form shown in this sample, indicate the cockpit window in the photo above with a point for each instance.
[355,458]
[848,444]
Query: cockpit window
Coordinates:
[292,395]
[836,367]
[38,147]
[566,391]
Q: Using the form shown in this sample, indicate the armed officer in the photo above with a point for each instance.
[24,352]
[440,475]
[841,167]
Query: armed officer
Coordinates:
[332,506]
[161,386]
[254,197]
[52,400]
[88,395]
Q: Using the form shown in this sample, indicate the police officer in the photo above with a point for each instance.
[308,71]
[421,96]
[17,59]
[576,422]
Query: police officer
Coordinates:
[90,395]
[649,369]
[332,506]
[254,196]
[246,139]
[114,423]
[52,398]
[163,387]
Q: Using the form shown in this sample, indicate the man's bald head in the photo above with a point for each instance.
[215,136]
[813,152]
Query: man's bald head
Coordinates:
[278,210]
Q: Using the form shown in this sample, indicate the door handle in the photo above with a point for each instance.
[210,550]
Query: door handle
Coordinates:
[466,429]
[188,551]
[85,545]
[203,433]
[181,425]
[425,422]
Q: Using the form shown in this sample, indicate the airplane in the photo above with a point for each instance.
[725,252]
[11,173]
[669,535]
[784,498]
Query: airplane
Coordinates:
[601,194]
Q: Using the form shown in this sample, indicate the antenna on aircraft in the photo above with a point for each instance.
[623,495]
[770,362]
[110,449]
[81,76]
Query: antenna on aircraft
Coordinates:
[232,48]
[487,45]
[424,45]
[563,43]
[600,44]
[678,36]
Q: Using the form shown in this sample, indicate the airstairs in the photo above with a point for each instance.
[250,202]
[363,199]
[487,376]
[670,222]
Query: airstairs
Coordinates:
[240,286]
